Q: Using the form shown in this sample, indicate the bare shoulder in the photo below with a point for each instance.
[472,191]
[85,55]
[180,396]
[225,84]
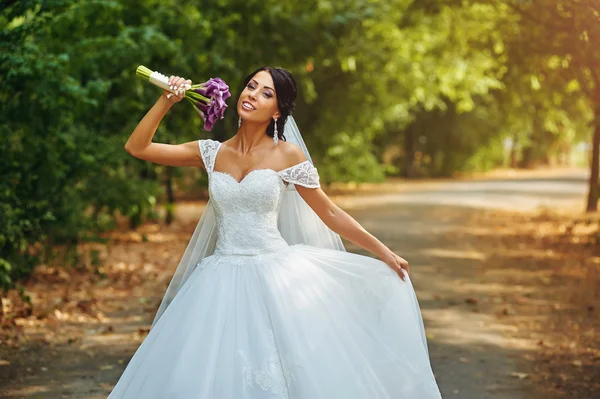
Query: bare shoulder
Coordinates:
[292,153]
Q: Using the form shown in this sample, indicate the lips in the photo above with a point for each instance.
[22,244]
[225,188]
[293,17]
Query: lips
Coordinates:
[248,106]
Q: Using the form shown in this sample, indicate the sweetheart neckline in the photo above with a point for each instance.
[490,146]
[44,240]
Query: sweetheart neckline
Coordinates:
[253,170]
[249,173]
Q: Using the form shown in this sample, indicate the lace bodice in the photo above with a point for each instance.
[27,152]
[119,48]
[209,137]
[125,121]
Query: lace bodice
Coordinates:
[247,211]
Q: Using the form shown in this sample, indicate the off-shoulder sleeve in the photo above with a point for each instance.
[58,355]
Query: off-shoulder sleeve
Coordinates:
[303,174]
[208,151]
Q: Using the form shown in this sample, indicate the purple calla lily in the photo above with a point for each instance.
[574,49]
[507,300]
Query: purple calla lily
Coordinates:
[210,103]
[208,98]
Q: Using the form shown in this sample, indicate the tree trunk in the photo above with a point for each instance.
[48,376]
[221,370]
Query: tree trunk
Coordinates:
[526,161]
[409,152]
[541,144]
[170,197]
[514,152]
[594,185]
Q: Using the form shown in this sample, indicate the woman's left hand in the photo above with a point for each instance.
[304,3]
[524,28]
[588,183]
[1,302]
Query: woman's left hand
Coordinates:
[179,85]
[397,263]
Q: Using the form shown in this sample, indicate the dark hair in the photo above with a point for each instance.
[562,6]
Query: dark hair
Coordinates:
[285,87]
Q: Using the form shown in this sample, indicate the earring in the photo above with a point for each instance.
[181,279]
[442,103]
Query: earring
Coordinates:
[239,121]
[275,138]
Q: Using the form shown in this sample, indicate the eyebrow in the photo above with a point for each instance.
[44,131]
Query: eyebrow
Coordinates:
[266,87]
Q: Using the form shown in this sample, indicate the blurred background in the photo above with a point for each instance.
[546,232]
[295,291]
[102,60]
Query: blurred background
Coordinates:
[403,97]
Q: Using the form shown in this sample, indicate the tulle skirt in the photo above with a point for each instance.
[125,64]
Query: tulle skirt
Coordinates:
[299,323]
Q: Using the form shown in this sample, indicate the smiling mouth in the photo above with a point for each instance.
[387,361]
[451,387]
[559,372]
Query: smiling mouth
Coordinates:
[246,105]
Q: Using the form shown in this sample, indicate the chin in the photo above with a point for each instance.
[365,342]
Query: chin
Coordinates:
[242,112]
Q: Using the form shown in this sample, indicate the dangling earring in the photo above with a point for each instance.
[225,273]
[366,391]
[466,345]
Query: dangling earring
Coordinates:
[275,138]
[239,121]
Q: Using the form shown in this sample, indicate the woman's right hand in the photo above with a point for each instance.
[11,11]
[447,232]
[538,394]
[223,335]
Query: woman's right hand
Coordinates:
[397,263]
[179,85]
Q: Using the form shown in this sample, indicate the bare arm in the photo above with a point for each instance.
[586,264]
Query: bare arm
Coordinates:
[339,221]
[140,143]
[346,226]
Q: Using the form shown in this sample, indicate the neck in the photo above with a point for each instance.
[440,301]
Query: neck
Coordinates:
[250,135]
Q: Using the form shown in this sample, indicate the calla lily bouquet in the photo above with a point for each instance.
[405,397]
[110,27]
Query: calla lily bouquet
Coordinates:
[208,98]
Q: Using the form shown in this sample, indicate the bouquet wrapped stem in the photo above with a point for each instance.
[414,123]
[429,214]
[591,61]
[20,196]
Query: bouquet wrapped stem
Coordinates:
[208,98]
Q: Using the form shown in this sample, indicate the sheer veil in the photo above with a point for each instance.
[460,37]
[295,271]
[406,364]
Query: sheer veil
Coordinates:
[297,223]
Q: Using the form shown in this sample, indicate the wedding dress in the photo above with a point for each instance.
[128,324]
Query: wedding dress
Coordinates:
[262,319]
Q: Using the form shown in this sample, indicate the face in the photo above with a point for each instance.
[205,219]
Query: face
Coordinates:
[261,96]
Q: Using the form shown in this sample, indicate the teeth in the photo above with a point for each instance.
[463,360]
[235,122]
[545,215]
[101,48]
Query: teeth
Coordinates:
[247,106]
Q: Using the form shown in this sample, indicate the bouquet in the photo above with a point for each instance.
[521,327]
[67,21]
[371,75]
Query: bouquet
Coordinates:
[208,98]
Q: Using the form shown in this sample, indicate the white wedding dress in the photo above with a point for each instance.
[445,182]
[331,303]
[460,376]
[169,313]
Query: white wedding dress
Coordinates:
[261,319]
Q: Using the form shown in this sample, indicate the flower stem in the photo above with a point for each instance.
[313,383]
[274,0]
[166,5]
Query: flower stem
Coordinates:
[143,72]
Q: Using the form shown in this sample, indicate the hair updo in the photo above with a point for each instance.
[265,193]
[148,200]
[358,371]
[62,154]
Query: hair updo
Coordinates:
[286,90]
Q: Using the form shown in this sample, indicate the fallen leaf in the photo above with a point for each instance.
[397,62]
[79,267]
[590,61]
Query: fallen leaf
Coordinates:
[520,376]
[471,301]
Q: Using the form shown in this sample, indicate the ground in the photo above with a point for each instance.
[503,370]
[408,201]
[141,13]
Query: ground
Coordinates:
[507,296]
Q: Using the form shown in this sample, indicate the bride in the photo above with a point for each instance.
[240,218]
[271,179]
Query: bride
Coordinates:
[265,302]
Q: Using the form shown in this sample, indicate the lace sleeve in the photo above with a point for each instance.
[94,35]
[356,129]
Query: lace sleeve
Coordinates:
[208,151]
[303,174]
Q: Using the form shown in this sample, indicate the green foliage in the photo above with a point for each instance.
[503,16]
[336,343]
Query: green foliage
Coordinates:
[444,84]
[337,168]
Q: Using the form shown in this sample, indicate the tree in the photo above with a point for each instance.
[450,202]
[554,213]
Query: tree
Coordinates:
[70,98]
[557,39]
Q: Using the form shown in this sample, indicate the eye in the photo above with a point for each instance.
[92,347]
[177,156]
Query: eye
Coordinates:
[266,93]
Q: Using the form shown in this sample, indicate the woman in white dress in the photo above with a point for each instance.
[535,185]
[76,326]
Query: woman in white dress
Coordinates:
[265,302]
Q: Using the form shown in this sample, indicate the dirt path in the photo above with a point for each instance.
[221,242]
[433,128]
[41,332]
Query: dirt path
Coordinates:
[474,354]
